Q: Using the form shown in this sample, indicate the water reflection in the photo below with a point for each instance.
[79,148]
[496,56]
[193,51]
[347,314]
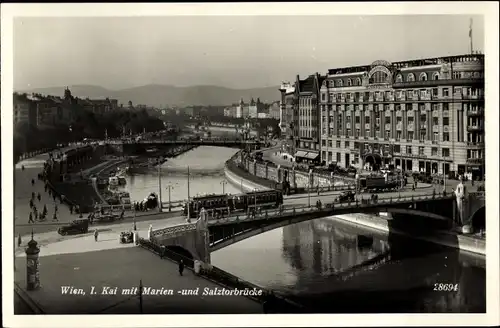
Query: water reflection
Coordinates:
[206,168]
[337,267]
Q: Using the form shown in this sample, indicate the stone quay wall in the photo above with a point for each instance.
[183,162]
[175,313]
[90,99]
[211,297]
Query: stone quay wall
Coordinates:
[298,179]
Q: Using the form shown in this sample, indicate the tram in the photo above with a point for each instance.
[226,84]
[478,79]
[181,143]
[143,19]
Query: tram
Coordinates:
[222,204]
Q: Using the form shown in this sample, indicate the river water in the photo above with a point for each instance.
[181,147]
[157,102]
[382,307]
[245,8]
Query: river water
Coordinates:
[334,265]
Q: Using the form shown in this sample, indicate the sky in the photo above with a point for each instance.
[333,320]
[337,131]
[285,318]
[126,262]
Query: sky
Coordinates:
[236,52]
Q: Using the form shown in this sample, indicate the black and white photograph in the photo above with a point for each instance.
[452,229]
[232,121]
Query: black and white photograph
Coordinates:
[187,159]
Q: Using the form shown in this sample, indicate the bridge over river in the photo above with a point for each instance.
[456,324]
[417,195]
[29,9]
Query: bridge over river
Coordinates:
[420,213]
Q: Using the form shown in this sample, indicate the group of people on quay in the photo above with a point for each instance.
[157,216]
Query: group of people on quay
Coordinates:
[35,202]
[141,206]
[35,213]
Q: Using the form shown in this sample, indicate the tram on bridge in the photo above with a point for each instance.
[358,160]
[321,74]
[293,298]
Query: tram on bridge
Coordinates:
[223,204]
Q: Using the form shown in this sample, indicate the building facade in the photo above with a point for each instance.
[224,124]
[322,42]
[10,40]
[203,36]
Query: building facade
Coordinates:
[274,110]
[421,115]
[306,118]
[23,110]
[253,109]
[230,111]
[287,91]
[242,110]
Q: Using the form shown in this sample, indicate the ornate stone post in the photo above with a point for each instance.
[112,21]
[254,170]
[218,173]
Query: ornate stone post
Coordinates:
[32,265]
[203,242]
[460,194]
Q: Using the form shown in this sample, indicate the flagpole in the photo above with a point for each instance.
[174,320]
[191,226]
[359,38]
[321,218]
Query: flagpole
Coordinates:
[470,37]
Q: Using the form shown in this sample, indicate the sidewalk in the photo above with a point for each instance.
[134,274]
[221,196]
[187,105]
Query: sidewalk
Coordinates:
[82,263]
[46,239]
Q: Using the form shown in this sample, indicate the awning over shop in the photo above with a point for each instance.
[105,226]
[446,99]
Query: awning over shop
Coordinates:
[301,153]
[312,155]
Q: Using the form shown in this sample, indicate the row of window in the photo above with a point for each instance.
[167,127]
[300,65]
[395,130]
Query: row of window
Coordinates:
[408,135]
[410,94]
[399,119]
[380,77]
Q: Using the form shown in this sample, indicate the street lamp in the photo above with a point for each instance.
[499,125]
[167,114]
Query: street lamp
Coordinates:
[135,225]
[170,187]
[255,200]
[223,183]
[309,192]
[188,204]
[160,205]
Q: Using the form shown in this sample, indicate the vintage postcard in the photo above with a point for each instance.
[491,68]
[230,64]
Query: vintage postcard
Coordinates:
[263,164]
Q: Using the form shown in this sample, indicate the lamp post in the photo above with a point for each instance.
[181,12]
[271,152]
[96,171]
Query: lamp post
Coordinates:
[170,187]
[255,200]
[135,225]
[188,203]
[160,205]
[223,183]
[309,192]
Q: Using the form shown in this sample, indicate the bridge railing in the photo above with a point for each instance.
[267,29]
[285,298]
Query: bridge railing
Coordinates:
[204,141]
[325,208]
[173,230]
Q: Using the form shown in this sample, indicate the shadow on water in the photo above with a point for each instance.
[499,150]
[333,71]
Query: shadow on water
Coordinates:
[377,272]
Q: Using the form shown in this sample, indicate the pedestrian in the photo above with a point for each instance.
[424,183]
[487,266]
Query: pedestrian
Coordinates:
[31,203]
[39,197]
[30,220]
[181,267]
[22,167]
[96,234]
[56,208]
[32,195]
[32,182]
[46,187]
[54,217]
[19,241]
[36,216]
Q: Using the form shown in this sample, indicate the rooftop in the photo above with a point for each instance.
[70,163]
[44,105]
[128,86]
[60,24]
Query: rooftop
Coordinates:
[410,63]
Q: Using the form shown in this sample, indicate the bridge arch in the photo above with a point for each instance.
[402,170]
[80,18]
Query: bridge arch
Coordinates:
[219,239]
[478,219]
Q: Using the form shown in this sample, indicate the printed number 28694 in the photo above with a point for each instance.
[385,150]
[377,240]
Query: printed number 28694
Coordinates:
[440,287]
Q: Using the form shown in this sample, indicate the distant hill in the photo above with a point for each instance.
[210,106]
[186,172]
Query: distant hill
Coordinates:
[161,95]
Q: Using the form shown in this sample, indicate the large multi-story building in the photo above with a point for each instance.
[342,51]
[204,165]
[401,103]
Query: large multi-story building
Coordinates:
[287,91]
[242,109]
[230,111]
[24,110]
[274,110]
[418,115]
[306,118]
[253,109]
